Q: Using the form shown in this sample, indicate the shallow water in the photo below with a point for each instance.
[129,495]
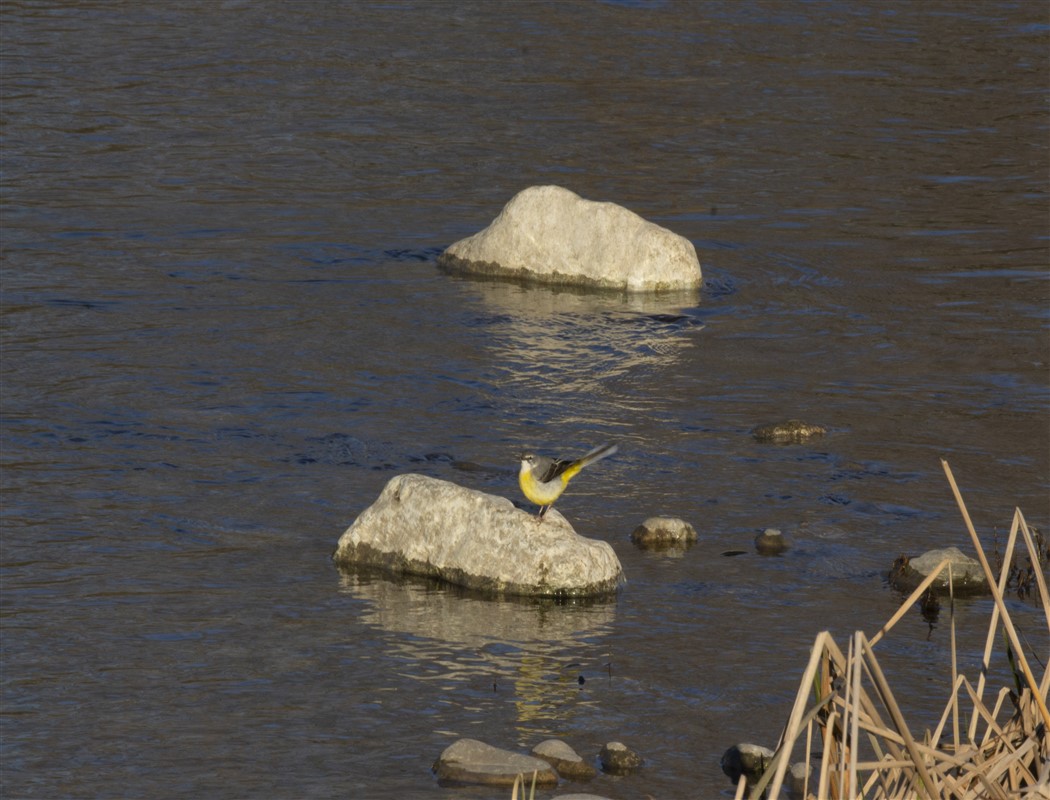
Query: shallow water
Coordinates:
[224,331]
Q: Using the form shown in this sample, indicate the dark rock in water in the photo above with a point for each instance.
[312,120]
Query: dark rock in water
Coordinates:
[967,573]
[618,759]
[771,542]
[471,761]
[564,759]
[746,759]
[432,528]
[788,432]
[929,607]
[657,532]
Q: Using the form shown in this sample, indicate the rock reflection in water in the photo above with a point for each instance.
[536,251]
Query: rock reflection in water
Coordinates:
[601,346]
[531,650]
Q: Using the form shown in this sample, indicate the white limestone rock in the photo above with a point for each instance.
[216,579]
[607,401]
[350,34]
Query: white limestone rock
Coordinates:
[424,526]
[549,234]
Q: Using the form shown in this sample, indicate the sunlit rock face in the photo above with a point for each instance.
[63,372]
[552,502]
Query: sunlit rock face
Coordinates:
[548,234]
[424,526]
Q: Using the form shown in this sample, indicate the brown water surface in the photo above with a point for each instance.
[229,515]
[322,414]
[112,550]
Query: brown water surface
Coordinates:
[224,331]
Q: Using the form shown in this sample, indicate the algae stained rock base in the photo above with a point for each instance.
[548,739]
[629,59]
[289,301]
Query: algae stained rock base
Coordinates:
[549,234]
[424,526]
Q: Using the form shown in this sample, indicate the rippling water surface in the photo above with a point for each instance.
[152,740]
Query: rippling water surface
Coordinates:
[224,331]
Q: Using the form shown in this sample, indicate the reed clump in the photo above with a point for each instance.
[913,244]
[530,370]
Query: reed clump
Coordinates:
[855,737]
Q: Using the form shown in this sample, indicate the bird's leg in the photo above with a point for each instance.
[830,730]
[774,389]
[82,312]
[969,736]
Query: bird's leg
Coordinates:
[543,510]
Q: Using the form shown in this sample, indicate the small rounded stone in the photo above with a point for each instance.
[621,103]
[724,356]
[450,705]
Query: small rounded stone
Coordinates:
[771,542]
[663,532]
[618,759]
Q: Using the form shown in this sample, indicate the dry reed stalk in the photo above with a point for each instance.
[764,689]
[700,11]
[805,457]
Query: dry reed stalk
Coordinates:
[1040,578]
[954,703]
[794,720]
[912,599]
[741,788]
[997,595]
[808,759]
[994,624]
[1009,760]
[852,690]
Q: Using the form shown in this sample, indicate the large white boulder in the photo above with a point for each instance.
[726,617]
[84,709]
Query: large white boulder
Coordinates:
[549,234]
[425,526]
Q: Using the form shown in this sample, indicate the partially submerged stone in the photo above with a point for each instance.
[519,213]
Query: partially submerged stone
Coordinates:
[788,432]
[471,761]
[663,532]
[770,542]
[967,574]
[549,234]
[618,759]
[564,759]
[429,527]
[746,759]
[800,777]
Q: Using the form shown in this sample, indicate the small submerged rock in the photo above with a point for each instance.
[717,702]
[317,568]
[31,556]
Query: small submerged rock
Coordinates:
[788,431]
[658,532]
[967,573]
[618,759]
[564,759]
[800,776]
[432,528]
[771,542]
[549,234]
[471,761]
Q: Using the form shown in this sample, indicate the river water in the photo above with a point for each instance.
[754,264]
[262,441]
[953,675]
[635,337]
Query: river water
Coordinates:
[224,330]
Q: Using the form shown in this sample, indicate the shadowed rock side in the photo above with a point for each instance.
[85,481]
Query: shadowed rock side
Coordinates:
[425,526]
[549,234]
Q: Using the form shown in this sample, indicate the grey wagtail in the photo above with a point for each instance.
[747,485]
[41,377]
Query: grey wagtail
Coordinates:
[543,479]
